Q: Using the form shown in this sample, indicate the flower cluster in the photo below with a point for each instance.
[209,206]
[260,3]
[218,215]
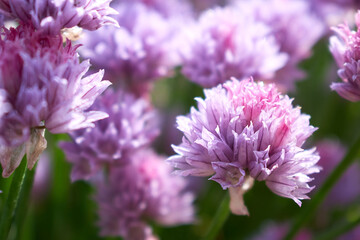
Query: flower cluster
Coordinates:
[142,190]
[131,125]
[234,44]
[295,41]
[243,131]
[133,183]
[45,88]
[137,53]
[240,132]
[252,39]
[53,16]
[345,50]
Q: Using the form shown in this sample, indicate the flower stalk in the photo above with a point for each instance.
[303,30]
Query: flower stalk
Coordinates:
[219,219]
[23,202]
[10,204]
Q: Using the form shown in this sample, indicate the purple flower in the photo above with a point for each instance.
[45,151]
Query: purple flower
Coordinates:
[44,85]
[131,125]
[142,191]
[243,131]
[137,53]
[52,16]
[345,50]
[296,30]
[226,43]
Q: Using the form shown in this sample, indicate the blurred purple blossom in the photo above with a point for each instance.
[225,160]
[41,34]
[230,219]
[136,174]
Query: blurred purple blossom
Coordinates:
[44,84]
[345,50]
[142,191]
[227,42]
[132,124]
[295,40]
[243,131]
[333,12]
[136,54]
[52,16]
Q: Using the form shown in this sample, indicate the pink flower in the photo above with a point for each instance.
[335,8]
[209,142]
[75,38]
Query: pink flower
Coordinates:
[245,131]
[52,16]
[132,124]
[345,48]
[142,191]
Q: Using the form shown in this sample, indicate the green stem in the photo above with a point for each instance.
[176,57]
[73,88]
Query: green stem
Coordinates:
[12,199]
[324,189]
[23,203]
[340,230]
[219,219]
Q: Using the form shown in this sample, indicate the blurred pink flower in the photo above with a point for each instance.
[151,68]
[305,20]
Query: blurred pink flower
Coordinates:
[142,191]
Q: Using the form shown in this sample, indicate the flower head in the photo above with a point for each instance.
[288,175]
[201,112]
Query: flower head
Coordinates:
[44,85]
[346,50]
[140,191]
[234,44]
[295,41]
[137,53]
[52,16]
[131,125]
[243,131]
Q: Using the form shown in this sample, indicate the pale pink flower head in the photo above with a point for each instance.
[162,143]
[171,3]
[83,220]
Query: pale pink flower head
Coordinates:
[144,190]
[45,88]
[345,48]
[245,131]
[227,43]
[51,16]
[132,124]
